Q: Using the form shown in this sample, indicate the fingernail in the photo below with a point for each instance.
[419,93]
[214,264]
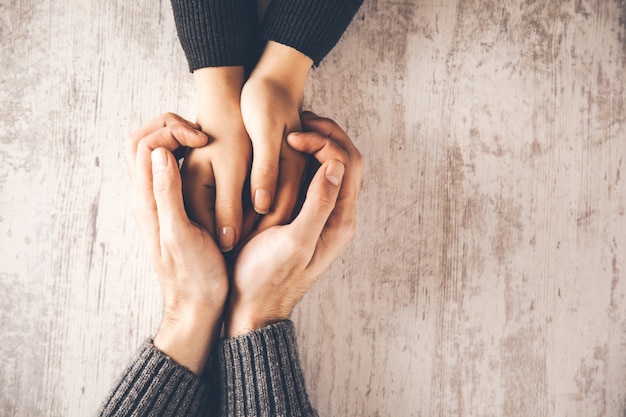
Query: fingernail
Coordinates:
[334,172]
[227,238]
[262,201]
[159,160]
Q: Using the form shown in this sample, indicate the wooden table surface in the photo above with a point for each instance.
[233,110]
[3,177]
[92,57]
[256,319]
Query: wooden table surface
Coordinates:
[488,273]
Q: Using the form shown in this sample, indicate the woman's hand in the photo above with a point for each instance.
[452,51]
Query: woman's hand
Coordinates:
[214,175]
[276,267]
[270,106]
[191,269]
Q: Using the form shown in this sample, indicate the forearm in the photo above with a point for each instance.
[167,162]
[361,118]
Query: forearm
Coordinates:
[155,385]
[260,373]
[313,27]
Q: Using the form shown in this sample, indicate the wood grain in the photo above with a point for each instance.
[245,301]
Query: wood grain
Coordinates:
[488,274]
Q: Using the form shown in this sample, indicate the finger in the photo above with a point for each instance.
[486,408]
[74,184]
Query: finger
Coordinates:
[325,149]
[139,158]
[319,203]
[229,180]
[167,195]
[327,127]
[145,215]
[265,163]
[199,192]
[292,168]
[171,135]
[164,120]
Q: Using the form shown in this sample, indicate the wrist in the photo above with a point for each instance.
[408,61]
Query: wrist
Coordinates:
[284,66]
[239,322]
[188,336]
[218,92]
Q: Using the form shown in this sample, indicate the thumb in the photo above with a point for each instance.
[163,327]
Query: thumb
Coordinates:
[166,185]
[320,202]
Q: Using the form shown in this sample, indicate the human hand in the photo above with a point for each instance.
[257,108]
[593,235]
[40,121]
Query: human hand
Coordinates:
[270,107]
[276,267]
[191,269]
[214,175]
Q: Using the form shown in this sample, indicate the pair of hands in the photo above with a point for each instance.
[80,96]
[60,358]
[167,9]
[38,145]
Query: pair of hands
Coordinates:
[241,118]
[272,270]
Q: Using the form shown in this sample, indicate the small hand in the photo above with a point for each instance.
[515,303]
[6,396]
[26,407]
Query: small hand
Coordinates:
[191,269]
[276,267]
[214,176]
[270,107]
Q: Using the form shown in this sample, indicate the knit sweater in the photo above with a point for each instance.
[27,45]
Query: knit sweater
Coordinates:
[225,32]
[259,375]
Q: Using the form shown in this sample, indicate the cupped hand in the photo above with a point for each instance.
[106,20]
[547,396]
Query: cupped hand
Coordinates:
[277,266]
[191,269]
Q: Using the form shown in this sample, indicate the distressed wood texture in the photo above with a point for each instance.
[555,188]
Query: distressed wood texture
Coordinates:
[488,274]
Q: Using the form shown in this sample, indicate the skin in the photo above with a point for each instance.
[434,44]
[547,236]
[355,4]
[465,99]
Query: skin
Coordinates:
[272,271]
[244,119]
[214,175]
[276,267]
[191,269]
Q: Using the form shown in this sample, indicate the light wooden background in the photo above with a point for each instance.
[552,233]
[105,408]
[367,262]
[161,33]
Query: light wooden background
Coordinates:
[488,274]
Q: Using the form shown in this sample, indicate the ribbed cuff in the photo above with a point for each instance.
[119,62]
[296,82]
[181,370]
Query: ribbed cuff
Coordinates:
[260,374]
[155,385]
[215,33]
[313,27]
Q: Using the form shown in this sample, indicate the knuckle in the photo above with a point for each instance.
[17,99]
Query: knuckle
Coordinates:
[177,128]
[267,168]
[347,229]
[357,159]
[142,145]
[225,207]
[325,204]
[161,185]
[169,116]
[169,239]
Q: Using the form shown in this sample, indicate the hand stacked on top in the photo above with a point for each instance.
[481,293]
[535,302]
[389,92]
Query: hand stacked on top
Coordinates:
[276,266]
[242,119]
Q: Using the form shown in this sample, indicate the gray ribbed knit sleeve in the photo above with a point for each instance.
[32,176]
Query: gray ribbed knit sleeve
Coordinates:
[215,33]
[313,27]
[260,374]
[155,385]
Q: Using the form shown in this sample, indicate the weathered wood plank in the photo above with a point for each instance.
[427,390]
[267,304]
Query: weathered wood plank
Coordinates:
[487,274]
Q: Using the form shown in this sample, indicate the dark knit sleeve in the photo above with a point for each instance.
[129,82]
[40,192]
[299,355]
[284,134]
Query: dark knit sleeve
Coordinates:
[215,33]
[155,385]
[260,374]
[313,27]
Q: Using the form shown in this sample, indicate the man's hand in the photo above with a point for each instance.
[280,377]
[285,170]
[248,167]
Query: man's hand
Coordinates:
[191,269]
[276,267]
[270,107]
